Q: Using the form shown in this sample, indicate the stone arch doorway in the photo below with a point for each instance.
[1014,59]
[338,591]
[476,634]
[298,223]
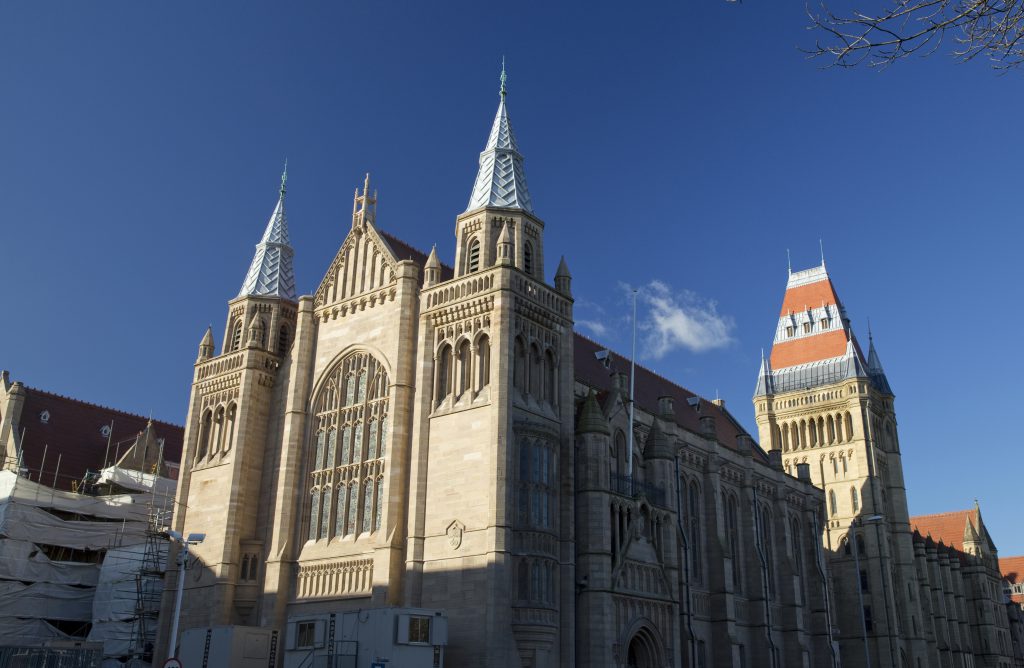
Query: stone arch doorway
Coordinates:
[644,650]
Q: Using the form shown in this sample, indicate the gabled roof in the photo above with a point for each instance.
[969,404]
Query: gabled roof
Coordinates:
[814,343]
[689,407]
[73,431]
[404,251]
[1012,569]
[271,273]
[949,528]
[501,179]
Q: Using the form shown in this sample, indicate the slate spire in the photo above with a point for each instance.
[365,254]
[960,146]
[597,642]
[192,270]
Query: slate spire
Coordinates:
[271,273]
[501,180]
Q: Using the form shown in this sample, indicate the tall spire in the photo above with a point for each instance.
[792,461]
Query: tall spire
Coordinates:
[271,273]
[875,369]
[501,180]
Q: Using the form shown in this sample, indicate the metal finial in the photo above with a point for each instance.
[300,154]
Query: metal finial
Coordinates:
[284,178]
[789,262]
[503,77]
[870,337]
[821,247]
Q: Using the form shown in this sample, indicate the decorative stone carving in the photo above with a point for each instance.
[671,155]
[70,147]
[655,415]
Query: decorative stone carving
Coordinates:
[455,531]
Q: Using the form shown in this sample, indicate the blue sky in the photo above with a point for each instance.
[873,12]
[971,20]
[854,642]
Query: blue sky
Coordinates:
[679,146]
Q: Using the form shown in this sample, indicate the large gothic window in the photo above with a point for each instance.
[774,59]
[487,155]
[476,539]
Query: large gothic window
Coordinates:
[537,484]
[347,469]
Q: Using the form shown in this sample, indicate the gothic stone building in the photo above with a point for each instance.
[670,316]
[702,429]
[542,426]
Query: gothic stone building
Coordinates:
[904,598]
[414,434]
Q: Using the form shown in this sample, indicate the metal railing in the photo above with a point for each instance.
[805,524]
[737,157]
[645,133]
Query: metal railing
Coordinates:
[50,657]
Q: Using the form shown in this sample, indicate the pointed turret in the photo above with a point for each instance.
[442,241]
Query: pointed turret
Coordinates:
[501,180]
[563,279]
[764,378]
[206,345]
[505,249]
[592,419]
[875,369]
[271,273]
[256,331]
[432,269]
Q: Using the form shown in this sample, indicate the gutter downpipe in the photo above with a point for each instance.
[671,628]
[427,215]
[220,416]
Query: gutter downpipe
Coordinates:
[765,589]
[686,567]
[818,561]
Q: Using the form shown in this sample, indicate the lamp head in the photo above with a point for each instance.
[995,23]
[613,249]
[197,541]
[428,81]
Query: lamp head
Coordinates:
[196,538]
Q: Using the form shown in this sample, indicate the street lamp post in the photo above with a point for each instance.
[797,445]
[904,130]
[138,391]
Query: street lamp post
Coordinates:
[193,539]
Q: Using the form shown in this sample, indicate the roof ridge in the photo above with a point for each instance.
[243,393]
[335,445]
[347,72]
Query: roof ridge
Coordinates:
[395,237]
[641,366]
[946,513]
[106,408]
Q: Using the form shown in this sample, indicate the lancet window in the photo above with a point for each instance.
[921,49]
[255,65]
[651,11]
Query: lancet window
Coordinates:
[236,335]
[348,449]
[473,263]
[537,484]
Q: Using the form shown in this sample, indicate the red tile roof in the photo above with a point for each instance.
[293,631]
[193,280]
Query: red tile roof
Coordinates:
[809,349]
[945,527]
[1012,569]
[72,433]
[811,295]
[650,387]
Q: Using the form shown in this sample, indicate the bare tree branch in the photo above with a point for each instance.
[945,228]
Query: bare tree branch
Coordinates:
[989,28]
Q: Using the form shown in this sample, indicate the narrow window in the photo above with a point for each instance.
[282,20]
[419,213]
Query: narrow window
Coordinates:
[835,466]
[229,440]
[367,508]
[314,517]
[790,331]
[483,362]
[519,366]
[379,503]
[536,373]
[236,335]
[807,328]
[832,505]
[204,435]
[474,256]
[283,340]
[528,258]
[444,372]
[325,526]
[464,367]
[854,500]
[551,379]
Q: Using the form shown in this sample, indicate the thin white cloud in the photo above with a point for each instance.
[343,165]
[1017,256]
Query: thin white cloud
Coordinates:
[598,328]
[681,319]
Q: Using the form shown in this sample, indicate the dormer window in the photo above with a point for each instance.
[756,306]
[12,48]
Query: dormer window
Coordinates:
[807,328]
[44,417]
[790,331]
[824,323]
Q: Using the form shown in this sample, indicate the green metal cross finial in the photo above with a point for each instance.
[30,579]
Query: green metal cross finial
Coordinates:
[503,77]
[284,178]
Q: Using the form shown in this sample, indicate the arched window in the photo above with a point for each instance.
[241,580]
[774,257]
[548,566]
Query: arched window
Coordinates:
[849,426]
[839,428]
[284,340]
[831,430]
[528,258]
[519,365]
[205,428]
[550,378]
[833,507]
[229,439]
[536,372]
[483,362]
[835,466]
[733,531]
[443,375]
[844,464]
[537,483]
[696,538]
[236,335]
[785,438]
[473,261]
[619,454]
[854,499]
[464,368]
[764,520]
[218,431]
[352,403]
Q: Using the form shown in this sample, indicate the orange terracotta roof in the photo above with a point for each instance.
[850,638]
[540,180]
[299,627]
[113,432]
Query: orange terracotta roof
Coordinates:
[810,295]
[945,527]
[809,349]
[1012,569]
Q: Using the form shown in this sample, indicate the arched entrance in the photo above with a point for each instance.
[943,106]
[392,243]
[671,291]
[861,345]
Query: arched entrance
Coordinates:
[643,650]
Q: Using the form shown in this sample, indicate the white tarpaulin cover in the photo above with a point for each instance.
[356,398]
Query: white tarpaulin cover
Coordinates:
[22,522]
[138,481]
[114,606]
[23,561]
[45,600]
[119,507]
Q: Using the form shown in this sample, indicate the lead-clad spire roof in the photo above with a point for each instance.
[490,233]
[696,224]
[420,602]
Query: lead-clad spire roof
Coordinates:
[271,273]
[501,180]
